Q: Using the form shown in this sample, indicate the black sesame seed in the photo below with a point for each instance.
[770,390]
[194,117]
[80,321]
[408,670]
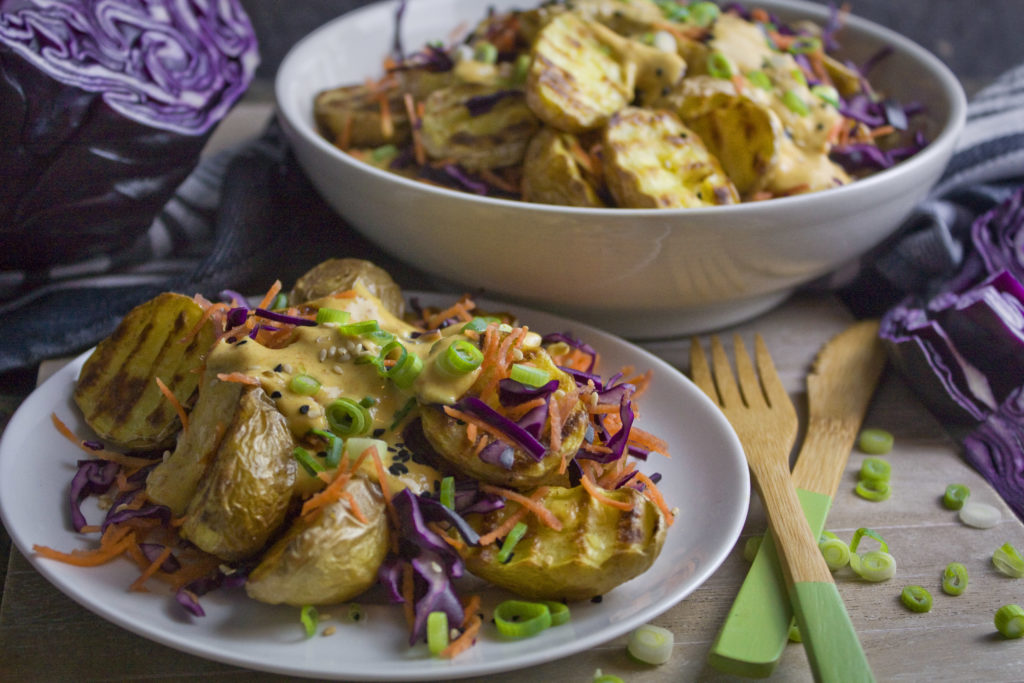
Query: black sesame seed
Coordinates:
[397,468]
[278,368]
[276,394]
[378,432]
[231,340]
[303,410]
[241,342]
[597,599]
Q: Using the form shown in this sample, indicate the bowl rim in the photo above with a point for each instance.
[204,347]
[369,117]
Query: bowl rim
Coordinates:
[296,125]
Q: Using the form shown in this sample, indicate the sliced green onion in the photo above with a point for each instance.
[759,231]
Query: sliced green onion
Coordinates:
[954,579]
[876,565]
[1007,560]
[485,52]
[980,515]
[448,492]
[303,384]
[360,328]
[403,412]
[651,644]
[309,618]
[794,634]
[459,358]
[873,490]
[355,613]
[759,79]
[826,93]
[875,441]
[331,315]
[799,77]
[601,677]
[437,632]
[529,375]
[1010,621]
[795,103]
[509,544]
[719,66]
[521,619]
[875,469]
[348,418]
[280,301]
[703,13]
[834,550]
[916,598]
[334,446]
[955,496]
[522,68]
[751,547]
[406,367]
[383,153]
[805,44]
[559,612]
[308,462]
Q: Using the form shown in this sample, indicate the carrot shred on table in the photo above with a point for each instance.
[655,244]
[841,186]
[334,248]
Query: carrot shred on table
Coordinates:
[652,492]
[178,408]
[239,377]
[543,514]
[465,640]
[139,583]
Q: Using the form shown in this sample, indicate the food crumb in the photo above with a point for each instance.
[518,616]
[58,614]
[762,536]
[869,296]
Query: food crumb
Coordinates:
[329,631]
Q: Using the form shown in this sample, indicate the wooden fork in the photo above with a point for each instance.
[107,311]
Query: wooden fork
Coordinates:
[765,421]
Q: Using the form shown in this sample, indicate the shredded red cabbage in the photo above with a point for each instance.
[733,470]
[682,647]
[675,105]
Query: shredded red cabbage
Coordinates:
[474,406]
[283,318]
[92,477]
[512,393]
[574,343]
[482,104]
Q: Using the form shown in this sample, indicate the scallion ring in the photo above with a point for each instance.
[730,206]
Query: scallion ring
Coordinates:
[280,302]
[980,515]
[1010,621]
[650,644]
[601,677]
[459,358]
[307,460]
[719,66]
[509,544]
[873,490]
[759,79]
[805,45]
[348,418]
[1008,561]
[559,612]
[795,103]
[703,13]
[876,565]
[954,579]
[794,634]
[826,93]
[309,618]
[355,613]
[405,366]
[334,446]
[331,315]
[303,384]
[875,469]
[916,598]
[479,324]
[521,619]
[448,492]
[485,52]
[955,496]
[360,328]
[529,375]
[438,634]
[835,551]
[875,441]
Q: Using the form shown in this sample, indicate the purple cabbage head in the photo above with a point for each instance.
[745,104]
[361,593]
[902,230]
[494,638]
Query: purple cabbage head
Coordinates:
[105,106]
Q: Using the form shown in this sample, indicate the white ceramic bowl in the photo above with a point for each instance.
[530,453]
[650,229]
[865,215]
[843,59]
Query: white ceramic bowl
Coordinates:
[642,273]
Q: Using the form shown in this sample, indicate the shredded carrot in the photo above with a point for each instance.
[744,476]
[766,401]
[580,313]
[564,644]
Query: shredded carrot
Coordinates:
[356,511]
[464,641]
[471,607]
[382,479]
[761,15]
[542,513]
[326,496]
[417,139]
[207,314]
[343,140]
[481,425]
[112,546]
[516,412]
[139,583]
[648,441]
[239,377]
[882,130]
[499,182]
[387,123]
[450,540]
[555,417]
[268,298]
[612,477]
[652,492]
[471,432]
[502,530]
[599,495]
[180,409]
[99,453]
[460,309]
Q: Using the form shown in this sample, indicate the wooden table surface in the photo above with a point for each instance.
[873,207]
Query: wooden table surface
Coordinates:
[46,636]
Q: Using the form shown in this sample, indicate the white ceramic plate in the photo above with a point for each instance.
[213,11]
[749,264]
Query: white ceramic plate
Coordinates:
[706,478]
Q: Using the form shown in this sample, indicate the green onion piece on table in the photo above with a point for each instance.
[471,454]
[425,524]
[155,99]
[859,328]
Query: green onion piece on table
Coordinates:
[348,418]
[794,634]
[954,579]
[1010,621]
[448,492]
[875,469]
[601,677]
[559,612]
[308,462]
[875,441]
[509,544]
[955,496]
[875,490]
[651,644]
[875,565]
[331,315]
[521,619]
[304,385]
[980,515]
[916,598]
[529,375]
[835,551]
[1008,561]
[437,632]
[309,618]
[459,358]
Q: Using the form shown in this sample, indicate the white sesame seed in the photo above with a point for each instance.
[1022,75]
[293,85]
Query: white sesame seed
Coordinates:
[322,355]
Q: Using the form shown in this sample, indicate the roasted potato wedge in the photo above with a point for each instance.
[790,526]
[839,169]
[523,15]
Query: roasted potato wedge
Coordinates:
[597,548]
[477,126]
[329,556]
[339,274]
[117,390]
[653,161]
[175,480]
[576,80]
[449,438]
[555,173]
[353,116]
[243,497]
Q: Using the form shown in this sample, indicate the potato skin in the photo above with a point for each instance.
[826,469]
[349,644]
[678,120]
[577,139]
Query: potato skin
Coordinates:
[244,495]
[653,161]
[350,116]
[117,390]
[328,558]
[598,548]
[340,274]
[551,175]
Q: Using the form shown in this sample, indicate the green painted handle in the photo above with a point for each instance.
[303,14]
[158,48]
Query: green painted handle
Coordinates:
[757,628]
[831,643]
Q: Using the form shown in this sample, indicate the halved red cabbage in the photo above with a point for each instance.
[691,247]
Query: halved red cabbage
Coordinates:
[105,106]
[996,449]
